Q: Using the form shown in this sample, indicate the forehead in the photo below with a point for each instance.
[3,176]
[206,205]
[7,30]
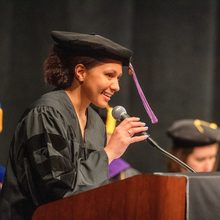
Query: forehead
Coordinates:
[205,150]
[110,65]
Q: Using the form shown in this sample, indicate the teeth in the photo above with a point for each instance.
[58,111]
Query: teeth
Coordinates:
[107,95]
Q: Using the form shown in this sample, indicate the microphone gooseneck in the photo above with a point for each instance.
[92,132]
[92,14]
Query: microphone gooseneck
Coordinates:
[119,113]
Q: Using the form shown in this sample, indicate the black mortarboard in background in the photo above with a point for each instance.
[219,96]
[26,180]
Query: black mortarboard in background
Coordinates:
[92,45]
[193,133]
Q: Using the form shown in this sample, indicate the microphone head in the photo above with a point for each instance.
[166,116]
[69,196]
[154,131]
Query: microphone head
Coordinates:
[118,111]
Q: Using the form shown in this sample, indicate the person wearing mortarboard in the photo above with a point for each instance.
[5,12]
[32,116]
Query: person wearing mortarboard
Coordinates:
[2,174]
[2,168]
[195,142]
[60,147]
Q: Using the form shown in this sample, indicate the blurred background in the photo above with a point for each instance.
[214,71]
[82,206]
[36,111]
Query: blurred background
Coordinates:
[176,50]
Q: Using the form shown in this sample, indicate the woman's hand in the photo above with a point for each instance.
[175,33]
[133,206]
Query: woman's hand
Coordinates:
[123,136]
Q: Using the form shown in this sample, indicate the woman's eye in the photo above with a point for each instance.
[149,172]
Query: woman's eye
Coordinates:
[200,159]
[109,75]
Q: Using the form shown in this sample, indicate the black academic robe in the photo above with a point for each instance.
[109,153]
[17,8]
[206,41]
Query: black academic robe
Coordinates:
[49,160]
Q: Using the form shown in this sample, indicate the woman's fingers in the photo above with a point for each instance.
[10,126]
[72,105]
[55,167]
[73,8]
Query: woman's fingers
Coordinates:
[132,126]
[137,130]
[129,120]
[124,135]
[138,138]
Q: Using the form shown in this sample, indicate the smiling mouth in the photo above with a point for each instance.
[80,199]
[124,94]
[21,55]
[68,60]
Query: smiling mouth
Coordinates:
[108,95]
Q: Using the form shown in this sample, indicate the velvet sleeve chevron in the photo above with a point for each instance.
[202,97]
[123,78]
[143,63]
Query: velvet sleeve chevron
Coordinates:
[57,162]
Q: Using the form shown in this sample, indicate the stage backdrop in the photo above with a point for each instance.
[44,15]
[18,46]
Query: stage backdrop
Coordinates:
[176,59]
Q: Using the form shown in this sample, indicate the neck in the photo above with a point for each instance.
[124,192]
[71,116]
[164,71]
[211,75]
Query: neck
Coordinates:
[79,102]
[80,105]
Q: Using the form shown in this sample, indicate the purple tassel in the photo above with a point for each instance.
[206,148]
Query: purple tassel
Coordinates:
[145,103]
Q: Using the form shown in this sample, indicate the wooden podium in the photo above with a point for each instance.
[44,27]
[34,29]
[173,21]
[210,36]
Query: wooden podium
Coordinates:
[151,197]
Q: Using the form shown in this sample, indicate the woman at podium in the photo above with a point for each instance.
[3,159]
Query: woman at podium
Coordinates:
[60,144]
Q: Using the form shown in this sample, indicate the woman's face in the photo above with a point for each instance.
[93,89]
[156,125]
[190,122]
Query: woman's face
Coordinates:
[101,82]
[202,159]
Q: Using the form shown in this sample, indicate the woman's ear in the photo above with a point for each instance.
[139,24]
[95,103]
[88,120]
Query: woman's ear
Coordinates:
[80,72]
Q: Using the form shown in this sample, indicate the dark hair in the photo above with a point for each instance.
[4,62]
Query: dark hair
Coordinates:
[182,153]
[59,66]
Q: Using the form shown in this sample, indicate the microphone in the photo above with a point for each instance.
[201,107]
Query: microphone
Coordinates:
[119,113]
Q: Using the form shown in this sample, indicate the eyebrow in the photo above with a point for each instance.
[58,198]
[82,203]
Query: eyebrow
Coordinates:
[113,70]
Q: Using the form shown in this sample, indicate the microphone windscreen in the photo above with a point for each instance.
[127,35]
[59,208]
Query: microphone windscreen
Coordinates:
[118,111]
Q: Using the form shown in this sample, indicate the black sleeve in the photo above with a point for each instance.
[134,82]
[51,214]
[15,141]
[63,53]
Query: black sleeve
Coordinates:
[57,159]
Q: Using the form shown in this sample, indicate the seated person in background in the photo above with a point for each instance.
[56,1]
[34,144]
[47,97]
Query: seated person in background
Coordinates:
[118,168]
[195,142]
[2,169]
[2,174]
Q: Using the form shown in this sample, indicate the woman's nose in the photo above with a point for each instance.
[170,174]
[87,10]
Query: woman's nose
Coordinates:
[115,86]
[208,166]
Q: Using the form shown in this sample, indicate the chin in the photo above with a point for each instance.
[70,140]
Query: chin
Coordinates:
[101,105]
